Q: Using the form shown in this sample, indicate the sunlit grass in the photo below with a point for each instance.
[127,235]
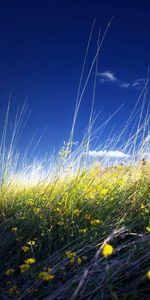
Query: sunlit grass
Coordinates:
[51,234]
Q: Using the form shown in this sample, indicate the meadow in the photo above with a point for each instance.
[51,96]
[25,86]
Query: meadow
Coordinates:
[84,236]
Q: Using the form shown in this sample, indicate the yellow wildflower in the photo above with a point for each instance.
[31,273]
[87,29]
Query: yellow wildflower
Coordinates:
[104,192]
[25,248]
[120,182]
[30,201]
[72,260]
[70,254]
[95,222]
[148,228]
[57,209]
[83,230]
[76,212]
[31,243]
[79,260]
[46,276]
[87,216]
[30,261]
[114,175]
[49,270]
[9,272]
[37,210]
[144,208]
[119,167]
[24,267]
[14,290]
[148,275]
[107,250]
[60,223]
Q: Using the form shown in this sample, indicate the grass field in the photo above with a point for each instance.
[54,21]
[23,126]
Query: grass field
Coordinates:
[84,236]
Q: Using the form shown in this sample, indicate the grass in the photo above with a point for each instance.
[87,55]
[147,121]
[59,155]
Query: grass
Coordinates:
[62,228]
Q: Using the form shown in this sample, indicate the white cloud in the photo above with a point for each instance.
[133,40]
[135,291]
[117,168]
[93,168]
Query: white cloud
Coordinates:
[110,154]
[125,85]
[107,76]
[139,83]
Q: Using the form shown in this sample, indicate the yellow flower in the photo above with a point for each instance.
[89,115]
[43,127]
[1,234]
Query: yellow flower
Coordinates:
[37,210]
[79,260]
[70,254]
[24,267]
[72,260]
[87,216]
[46,276]
[25,248]
[31,243]
[30,201]
[120,182]
[76,212]
[104,192]
[57,209]
[60,223]
[49,270]
[148,275]
[14,290]
[83,230]
[107,250]
[148,229]
[30,261]
[119,167]
[9,272]
[14,229]
[95,222]
[114,175]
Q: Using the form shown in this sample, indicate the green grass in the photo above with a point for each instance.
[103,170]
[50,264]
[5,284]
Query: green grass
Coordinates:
[79,214]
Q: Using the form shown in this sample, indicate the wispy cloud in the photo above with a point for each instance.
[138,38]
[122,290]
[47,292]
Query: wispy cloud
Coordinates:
[125,85]
[139,83]
[107,76]
[110,77]
[110,154]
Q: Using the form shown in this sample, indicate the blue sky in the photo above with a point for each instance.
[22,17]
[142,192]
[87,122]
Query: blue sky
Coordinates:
[42,46]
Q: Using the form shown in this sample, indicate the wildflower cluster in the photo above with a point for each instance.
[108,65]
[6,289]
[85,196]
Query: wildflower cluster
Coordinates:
[27,246]
[26,265]
[46,275]
[72,256]
[9,272]
[96,222]
[13,290]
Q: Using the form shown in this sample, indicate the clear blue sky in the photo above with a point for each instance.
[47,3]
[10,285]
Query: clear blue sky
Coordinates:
[42,46]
